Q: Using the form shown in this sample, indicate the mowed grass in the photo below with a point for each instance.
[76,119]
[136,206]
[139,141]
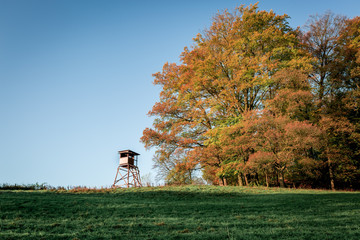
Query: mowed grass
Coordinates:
[186,212]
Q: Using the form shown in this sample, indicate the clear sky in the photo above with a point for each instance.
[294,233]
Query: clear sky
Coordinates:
[76,79]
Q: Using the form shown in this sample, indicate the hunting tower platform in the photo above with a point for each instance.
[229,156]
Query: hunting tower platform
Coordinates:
[127,174]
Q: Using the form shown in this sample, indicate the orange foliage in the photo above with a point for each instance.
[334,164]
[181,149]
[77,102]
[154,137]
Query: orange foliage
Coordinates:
[249,103]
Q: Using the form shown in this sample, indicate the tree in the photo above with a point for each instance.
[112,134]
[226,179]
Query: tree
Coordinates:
[320,41]
[256,102]
[227,73]
[333,41]
[338,139]
[282,143]
[292,95]
[262,162]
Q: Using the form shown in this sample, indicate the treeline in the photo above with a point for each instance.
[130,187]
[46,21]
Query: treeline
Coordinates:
[36,186]
[255,102]
[47,187]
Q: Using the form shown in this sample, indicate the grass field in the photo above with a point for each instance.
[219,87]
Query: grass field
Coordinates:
[187,212]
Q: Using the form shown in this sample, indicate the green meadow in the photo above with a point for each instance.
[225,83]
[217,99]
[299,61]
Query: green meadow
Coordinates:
[185,212]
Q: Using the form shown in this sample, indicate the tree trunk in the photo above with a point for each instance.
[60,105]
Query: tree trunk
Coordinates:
[221,183]
[225,183]
[281,179]
[190,176]
[331,174]
[257,179]
[246,180]
[240,180]
[321,91]
[267,180]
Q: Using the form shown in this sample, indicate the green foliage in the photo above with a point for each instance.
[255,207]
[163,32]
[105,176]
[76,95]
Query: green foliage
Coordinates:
[185,212]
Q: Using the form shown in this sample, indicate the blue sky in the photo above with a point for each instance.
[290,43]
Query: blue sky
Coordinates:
[76,79]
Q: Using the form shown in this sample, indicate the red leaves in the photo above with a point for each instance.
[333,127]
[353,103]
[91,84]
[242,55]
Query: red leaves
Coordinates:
[261,161]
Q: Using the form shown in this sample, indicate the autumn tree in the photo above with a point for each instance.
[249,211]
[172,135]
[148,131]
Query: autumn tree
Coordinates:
[262,162]
[226,73]
[254,101]
[333,41]
[321,41]
[293,95]
[283,146]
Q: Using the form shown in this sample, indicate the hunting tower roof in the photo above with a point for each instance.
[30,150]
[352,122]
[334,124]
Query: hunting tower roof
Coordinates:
[129,151]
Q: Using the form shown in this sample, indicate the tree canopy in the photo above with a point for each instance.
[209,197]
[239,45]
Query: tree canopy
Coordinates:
[254,101]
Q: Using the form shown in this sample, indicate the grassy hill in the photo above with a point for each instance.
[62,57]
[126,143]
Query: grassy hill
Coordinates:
[186,212]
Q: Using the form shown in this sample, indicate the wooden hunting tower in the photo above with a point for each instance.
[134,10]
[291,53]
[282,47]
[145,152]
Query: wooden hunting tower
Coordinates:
[127,174]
